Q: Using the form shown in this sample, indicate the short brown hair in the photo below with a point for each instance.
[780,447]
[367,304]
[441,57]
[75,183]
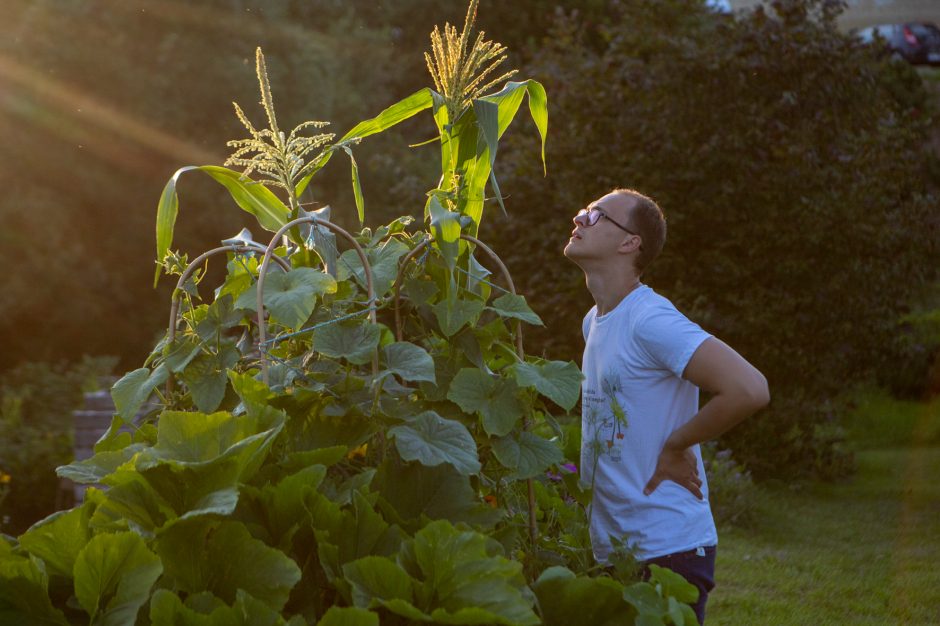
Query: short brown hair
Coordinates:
[648,221]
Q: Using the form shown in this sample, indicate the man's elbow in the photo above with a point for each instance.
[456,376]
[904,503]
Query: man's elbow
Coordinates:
[757,393]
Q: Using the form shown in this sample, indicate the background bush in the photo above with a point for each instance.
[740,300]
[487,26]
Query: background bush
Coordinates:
[37,434]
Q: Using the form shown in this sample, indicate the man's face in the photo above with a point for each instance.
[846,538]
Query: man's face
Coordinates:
[603,239]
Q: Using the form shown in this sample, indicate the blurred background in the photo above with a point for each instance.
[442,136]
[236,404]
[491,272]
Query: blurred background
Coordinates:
[795,156]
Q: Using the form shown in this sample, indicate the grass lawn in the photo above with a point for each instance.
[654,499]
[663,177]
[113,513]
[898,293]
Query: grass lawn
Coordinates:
[862,552]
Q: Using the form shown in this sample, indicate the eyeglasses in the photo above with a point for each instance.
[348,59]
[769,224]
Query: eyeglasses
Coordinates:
[591,216]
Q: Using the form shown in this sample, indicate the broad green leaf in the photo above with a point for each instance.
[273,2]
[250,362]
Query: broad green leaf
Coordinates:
[206,379]
[199,460]
[355,342]
[133,389]
[475,391]
[348,616]
[445,225]
[558,381]
[115,438]
[180,353]
[383,259]
[431,440]
[242,272]
[252,197]
[252,391]
[357,187]
[283,504]
[565,599]
[528,456]
[178,492]
[296,461]
[398,112]
[409,361]
[375,579]
[291,296]
[351,532]
[204,609]
[222,557]
[220,316]
[101,465]
[673,584]
[198,438]
[132,500]
[463,577]
[645,599]
[59,538]
[419,290]
[113,575]
[439,492]
[24,594]
[196,465]
[452,315]
[511,305]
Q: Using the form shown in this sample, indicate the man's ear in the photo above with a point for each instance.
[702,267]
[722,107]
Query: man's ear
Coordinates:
[629,244]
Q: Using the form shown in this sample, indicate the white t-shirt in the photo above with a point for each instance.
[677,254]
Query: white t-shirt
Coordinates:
[633,398]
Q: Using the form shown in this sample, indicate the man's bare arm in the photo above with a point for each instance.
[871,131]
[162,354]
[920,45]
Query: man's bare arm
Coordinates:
[738,389]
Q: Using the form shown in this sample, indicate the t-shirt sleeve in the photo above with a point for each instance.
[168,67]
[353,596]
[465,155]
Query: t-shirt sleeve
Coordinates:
[669,338]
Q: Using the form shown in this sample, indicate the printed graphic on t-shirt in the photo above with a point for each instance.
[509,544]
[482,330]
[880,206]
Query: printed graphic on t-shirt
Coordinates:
[605,420]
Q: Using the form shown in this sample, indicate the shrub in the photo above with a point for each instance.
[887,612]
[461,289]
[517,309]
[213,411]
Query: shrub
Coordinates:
[731,492]
[36,434]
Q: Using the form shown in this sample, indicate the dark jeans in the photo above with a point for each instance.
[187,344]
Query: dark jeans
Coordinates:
[695,568]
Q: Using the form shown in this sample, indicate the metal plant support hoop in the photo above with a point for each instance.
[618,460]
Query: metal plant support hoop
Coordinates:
[533,528]
[175,300]
[263,270]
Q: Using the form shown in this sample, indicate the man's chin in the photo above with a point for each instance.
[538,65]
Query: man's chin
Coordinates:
[571,249]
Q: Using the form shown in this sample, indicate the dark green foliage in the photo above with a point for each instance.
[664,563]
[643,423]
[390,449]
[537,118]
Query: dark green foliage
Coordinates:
[791,162]
[36,435]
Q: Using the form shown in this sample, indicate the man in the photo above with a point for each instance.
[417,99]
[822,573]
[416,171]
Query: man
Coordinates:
[644,363]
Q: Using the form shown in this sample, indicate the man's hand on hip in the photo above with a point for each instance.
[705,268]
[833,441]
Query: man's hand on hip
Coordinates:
[678,465]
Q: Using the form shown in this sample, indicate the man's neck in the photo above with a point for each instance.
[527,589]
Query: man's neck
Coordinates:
[610,287]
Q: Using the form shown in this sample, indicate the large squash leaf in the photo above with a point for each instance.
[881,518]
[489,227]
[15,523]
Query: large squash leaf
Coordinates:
[493,398]
[222,557]
[528,455]
[59,538]
[431,440]
[559,381]
[113,575]
[565,599]
[24,593]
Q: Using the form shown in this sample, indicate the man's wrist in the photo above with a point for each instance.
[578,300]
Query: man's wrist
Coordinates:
[675,443]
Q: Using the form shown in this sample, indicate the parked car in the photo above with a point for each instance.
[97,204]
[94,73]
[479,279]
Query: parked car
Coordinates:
[916,42]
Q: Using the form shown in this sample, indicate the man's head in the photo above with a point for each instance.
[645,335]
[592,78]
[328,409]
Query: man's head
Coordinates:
[623,226]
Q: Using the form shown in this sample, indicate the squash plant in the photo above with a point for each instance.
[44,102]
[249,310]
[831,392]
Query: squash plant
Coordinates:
[341,437]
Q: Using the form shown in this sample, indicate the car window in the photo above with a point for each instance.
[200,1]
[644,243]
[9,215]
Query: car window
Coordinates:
[925,32]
